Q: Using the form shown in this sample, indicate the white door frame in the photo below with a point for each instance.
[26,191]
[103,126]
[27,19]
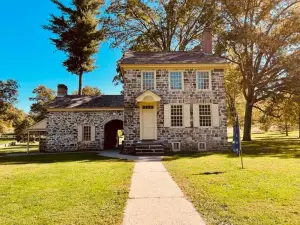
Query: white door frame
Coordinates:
[141,118]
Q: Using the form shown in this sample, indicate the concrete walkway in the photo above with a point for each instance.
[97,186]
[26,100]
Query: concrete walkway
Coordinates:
[154,198]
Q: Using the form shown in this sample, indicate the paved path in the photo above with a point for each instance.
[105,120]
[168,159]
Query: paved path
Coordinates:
[154,198]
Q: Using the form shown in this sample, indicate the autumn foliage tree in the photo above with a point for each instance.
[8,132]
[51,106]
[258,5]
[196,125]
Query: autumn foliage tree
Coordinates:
[90,91]
[157,25]
[262,38]
[77,34]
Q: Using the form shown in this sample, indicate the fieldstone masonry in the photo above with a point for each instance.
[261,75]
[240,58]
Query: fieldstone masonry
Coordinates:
[63,129]
[214,137]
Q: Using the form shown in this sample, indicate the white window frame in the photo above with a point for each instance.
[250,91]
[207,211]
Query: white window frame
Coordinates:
[211,118]
[83,126]
[142,79]
[209,75]
[199,146]
[182,80]
[182,105]
[179,145]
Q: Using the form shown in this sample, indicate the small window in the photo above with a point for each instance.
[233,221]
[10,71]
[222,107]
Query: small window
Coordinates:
[203,80]
[87,133]
[176,116]
[201,146]
[148,81]
[176,81]
[205,115]
[148,107]
[176,146]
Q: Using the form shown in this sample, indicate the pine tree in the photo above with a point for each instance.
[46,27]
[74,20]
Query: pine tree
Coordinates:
[77,34]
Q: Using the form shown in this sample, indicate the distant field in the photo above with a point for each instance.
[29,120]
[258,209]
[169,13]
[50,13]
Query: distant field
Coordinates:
[266,192]
[19,148]
[6,141]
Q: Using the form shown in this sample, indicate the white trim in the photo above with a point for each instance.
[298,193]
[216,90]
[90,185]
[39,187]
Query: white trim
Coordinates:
[182,80]
[179,145]
[182,104]
[142,78]
[199,146]
[210,81]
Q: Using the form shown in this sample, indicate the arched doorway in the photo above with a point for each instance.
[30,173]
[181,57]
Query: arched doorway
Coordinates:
[110,133]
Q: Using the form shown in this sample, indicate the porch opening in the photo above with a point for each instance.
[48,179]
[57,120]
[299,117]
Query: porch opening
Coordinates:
[112,131]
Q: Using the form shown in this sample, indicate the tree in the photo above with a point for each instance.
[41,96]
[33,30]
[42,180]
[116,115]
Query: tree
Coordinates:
[90,91]
[21,127]
[262,38]
[8,94]
[157,25]
[78,35]
[43,96]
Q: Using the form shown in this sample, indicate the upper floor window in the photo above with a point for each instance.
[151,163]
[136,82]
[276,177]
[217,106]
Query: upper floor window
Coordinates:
[176,116]
[203,80]
[176,81]
[87,133]
[148,81]
[205,115]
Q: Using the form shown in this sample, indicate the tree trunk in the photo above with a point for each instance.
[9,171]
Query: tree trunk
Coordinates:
[247,122]
[80,84]
[286,129]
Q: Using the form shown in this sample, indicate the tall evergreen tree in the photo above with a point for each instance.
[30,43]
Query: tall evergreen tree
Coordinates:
[77,34]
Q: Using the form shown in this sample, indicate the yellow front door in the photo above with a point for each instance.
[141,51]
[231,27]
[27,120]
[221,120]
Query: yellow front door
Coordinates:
[148,122]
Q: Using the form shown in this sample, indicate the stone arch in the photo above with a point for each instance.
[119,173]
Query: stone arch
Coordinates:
[110,133]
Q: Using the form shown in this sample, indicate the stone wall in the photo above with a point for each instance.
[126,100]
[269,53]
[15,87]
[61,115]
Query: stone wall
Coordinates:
[63,129]
[214,137]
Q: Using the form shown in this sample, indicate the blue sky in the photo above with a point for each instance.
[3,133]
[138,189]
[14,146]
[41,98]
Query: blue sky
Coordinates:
[26,54]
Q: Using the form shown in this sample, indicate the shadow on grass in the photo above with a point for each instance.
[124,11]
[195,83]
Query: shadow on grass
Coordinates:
[56,158]
[259,148]
[210,173]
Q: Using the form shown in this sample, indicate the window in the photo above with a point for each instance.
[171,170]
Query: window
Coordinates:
[203,80]
[176,81]
[87,133]
[148,80]
[148,107]
[176,116]
[201,146]
[175,146]
[205,115]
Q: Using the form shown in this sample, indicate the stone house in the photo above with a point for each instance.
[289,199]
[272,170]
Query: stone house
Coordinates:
[172,101]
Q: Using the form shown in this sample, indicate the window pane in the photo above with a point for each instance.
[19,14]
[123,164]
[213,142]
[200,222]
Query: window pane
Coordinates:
[176,116]
[86,133]
[148,80]
[204,115]
[176,80]
[203,80]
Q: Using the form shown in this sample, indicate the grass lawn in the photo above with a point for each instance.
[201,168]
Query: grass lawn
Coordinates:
[266,192]
[79,188]
[19,148]
[6,141]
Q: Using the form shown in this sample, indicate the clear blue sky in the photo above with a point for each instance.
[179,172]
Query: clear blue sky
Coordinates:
[27,55]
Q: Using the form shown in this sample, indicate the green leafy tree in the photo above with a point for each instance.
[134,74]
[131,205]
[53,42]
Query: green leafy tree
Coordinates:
[157,25]
[78,35]
[21,125]
[43,96]
[262,38]
[8,96]
[90,91]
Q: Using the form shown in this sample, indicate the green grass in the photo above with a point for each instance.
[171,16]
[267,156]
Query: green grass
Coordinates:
[6,141]
[79,188]
[266,192]
[19,148]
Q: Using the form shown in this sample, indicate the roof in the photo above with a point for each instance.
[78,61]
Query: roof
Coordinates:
[40,126]
[76,101]
[179,57]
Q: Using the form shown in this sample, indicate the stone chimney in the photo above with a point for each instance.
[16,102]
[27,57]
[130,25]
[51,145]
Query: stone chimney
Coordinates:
[62,90]
[207,41]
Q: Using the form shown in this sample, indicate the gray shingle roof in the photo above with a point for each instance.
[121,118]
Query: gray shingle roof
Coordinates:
[187,57]
[76,101]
